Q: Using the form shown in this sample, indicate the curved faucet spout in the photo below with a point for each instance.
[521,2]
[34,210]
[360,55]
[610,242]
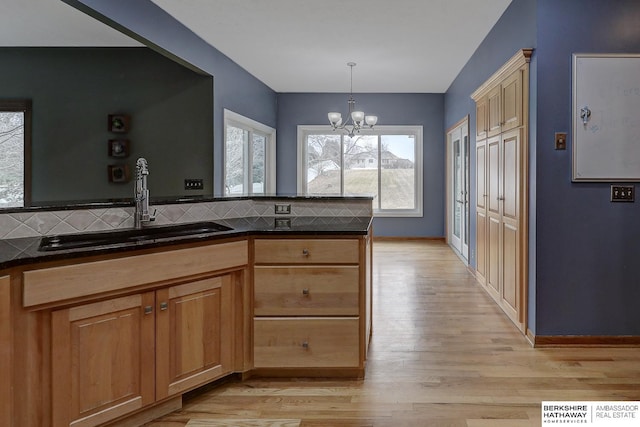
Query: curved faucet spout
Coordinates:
[141,194]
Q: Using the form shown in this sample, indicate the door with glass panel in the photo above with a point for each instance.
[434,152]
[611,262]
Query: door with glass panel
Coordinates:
[458,209]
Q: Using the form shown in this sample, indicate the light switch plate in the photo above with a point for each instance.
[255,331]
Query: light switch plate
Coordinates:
[622,193]
[561,140]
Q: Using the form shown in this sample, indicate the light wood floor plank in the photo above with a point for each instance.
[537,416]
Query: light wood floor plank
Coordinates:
[443,355]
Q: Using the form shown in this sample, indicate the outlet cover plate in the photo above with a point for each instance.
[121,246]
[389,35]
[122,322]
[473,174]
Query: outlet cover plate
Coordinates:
[282,208]
[193,184]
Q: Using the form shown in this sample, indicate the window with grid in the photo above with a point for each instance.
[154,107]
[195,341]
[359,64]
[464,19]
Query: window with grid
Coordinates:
[385,162]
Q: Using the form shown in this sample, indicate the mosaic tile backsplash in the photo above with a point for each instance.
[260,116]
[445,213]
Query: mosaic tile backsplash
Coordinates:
[43,223]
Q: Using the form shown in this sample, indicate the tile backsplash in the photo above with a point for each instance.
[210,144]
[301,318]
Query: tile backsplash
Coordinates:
[42,223]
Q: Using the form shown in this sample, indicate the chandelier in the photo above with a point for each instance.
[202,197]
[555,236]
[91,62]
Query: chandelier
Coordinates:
[356,119]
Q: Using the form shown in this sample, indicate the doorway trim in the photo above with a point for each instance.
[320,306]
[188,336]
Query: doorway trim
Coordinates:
[463,251]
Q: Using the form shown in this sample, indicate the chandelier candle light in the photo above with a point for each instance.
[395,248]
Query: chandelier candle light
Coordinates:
[356,119]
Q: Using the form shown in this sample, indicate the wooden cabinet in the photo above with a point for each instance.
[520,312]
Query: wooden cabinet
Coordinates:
[102,360]
[511,101]
[116,356]
[157,324]
[311,305]
[5,351]
[501,187]
[194,340]
[482,116]
[494,111]
[321,342]
[481,210]
[501,108]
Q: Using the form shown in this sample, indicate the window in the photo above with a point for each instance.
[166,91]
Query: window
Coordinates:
[15,153]
[249,156]
[385,162]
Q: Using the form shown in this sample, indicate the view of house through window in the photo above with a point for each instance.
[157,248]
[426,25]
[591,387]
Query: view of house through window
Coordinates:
[249,156]
[12,159]
[384,163]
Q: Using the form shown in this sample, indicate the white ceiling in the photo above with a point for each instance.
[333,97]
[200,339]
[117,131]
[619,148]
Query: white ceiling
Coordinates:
[400,46]
[54,23]
[304,45]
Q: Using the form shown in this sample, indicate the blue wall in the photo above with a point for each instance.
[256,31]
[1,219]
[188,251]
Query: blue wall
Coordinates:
[234,88]
[424,110]
[588,273]
[516,29]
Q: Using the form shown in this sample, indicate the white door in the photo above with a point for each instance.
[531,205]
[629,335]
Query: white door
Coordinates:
[458,197]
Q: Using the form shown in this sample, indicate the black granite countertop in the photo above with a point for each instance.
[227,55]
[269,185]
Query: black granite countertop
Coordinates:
[14,252]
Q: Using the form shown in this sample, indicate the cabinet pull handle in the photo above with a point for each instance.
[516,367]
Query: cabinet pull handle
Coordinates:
[148,309]
[305,252]
[164,306]
[305,344]
[305,292]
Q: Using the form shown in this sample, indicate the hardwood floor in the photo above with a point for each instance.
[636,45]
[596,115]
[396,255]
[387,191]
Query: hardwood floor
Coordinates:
[442,354]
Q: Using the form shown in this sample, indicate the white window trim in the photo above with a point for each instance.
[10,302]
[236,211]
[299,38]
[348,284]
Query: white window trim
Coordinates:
[304,130]
[238,120]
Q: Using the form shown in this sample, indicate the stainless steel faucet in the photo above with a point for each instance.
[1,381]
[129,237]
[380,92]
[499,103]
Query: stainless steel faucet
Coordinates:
[141,195]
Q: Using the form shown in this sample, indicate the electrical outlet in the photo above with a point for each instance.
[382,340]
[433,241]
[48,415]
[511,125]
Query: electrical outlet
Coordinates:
[622,193]
[283,209]
[193,184]
[283,223]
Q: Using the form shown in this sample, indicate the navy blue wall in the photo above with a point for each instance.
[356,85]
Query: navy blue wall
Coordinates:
[588,274]
[516,29]
[424,110]
[234,88]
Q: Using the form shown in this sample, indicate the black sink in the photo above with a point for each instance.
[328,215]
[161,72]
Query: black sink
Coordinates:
[103,238]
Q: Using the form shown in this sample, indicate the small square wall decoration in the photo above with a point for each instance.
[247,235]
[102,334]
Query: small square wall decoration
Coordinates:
[119,174]
[119,123]
[118,148]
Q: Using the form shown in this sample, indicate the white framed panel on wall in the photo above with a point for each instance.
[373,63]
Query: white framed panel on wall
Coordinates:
[606,117]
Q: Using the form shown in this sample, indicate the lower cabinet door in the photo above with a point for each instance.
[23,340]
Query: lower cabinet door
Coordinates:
[194,334]
[306,342]
[103,360]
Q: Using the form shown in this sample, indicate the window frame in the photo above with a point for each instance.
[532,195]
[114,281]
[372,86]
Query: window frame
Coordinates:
[25,106]
[417,131]
[239,121]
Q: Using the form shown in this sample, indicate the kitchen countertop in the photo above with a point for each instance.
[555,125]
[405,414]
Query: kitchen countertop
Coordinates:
[14,252]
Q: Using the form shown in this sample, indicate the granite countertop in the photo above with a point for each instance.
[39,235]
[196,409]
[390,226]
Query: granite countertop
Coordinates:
[14,252]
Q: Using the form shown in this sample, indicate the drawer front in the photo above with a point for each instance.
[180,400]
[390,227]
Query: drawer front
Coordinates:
[306,291]
[306,251]
[91,278]
[306,342]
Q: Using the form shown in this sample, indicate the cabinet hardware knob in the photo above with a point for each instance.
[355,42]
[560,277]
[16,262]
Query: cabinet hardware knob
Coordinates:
[148,309]
[305,252]
[164,306]
[305,344]
[305,292]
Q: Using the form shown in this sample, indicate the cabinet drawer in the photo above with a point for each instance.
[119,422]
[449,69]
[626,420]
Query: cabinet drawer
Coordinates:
[306,342]
[304,290]
[306,251]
